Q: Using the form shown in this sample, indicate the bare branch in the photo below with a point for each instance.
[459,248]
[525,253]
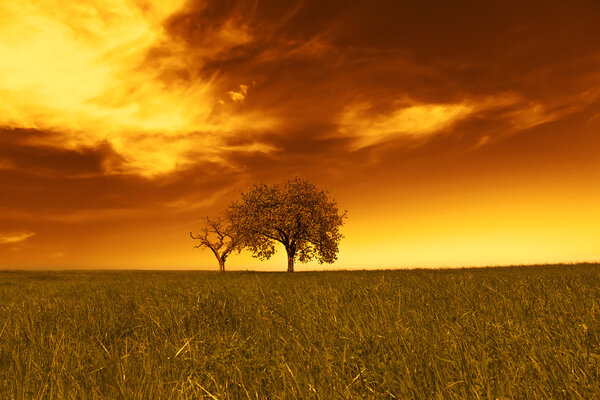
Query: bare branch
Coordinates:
[218,238]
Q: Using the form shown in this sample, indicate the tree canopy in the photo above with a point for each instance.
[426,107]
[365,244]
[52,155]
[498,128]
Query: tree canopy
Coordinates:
[296,214]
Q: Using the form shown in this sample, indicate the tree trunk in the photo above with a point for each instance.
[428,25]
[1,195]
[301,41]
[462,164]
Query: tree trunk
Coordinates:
[291,262]
[221,265]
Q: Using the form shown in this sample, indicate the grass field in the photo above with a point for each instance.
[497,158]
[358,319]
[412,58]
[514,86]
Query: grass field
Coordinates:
[492,333]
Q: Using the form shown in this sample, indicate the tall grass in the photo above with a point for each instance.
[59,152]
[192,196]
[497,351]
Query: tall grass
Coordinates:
[495,333]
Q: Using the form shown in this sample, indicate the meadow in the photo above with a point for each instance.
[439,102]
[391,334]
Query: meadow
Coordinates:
[485,333]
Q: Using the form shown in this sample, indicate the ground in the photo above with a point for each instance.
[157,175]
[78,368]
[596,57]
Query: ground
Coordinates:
[489,333]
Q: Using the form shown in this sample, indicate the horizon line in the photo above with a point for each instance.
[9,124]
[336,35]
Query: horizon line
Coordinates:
[115,269]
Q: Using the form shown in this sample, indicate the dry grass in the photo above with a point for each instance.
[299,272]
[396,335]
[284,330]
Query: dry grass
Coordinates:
[503,333]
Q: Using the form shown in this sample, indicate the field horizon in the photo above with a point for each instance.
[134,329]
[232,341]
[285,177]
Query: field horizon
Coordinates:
[301,270]
[493,333]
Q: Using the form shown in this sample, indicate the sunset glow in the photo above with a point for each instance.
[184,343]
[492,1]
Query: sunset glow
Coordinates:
[460,137]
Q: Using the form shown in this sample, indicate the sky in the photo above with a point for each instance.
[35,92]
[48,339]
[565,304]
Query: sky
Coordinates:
[454,133]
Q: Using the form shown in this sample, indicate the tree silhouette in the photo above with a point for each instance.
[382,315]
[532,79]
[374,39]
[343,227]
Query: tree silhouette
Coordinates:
[219,238]
[296,214]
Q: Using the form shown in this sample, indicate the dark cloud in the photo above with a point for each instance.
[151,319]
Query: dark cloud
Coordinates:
[20,149]
[305,61]
[52,183]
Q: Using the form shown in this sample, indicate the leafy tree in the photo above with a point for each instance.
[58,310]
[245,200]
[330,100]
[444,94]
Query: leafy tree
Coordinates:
[296,214]
[218,236]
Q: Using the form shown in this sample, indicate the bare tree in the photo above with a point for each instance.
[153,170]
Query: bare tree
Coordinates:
[219,238]
[296,214]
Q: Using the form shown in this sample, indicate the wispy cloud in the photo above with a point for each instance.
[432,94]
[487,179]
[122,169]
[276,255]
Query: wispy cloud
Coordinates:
[414,120]
[15,237]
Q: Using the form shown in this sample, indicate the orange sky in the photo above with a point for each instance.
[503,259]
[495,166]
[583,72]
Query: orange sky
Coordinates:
[454,133]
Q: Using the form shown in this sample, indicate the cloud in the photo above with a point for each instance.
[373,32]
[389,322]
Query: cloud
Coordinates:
[25,150]
[414,120]
[512,113]
[240,95]
[15,237]
[107,72]
[149,81]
